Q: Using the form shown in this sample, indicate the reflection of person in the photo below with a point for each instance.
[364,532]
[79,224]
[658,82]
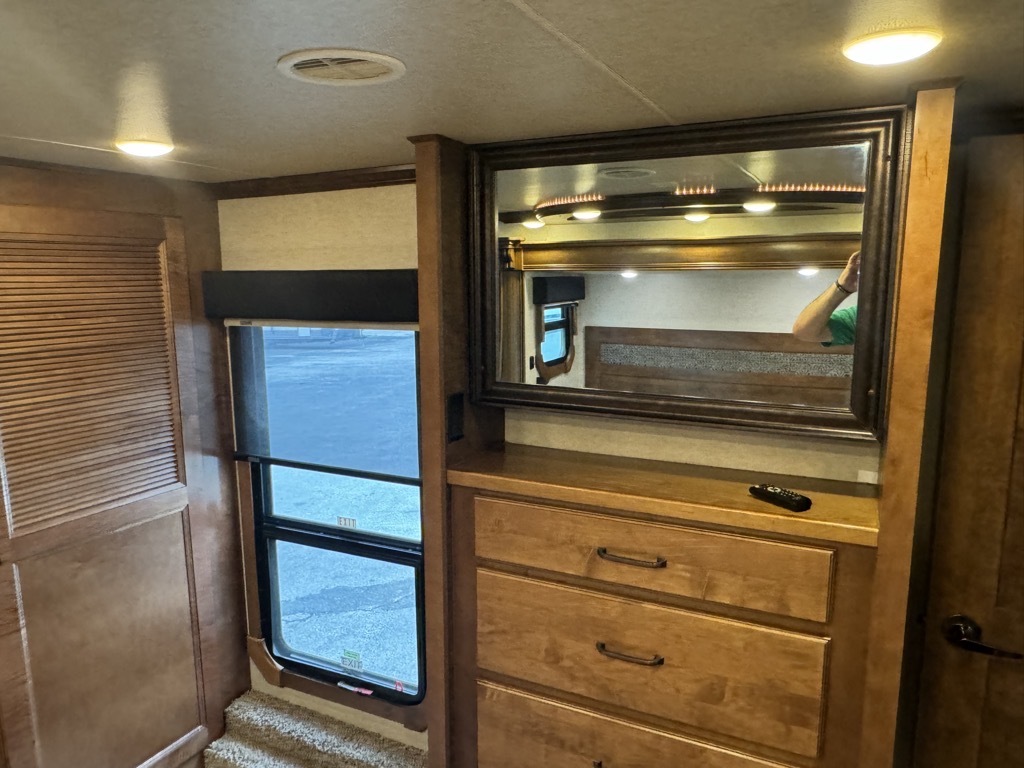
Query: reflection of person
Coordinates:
[822,321]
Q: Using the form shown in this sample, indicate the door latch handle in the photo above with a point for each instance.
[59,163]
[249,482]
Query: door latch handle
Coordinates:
[963,632]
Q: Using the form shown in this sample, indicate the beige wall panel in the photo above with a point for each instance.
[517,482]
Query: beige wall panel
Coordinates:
[667,441]
[373,228]
[112,659]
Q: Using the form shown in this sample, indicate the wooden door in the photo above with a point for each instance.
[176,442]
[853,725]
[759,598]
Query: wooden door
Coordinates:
[972,704]
[99,647]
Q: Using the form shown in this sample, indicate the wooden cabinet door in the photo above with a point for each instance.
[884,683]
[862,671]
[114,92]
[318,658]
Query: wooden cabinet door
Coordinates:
[972,704]
[99,652]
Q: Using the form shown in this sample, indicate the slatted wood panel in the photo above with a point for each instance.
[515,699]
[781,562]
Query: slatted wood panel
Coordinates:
[88,398]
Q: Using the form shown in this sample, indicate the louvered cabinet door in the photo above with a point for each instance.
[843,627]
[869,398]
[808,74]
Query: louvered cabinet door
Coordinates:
[99,660]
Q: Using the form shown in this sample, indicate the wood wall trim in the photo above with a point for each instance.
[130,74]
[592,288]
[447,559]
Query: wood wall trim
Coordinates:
[904,450]
[265,663]
[327,181]
[444,286]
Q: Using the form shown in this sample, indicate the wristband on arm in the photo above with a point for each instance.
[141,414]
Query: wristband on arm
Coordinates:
[840,287]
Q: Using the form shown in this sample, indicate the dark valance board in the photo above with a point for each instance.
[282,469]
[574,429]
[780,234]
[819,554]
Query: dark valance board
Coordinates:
[370,296]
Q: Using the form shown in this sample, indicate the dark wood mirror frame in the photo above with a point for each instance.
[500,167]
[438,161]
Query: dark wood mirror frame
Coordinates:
[886,130]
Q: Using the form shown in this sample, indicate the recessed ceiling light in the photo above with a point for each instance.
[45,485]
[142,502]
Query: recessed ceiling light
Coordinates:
[629,274]
[893,47]
[697,216]
[586,214]
[340,66]
[807,271]
[141,148]
[532,223]
[759,205]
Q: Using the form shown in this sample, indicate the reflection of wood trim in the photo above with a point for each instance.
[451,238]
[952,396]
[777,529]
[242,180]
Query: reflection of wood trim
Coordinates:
[247,526]
[821,391]
[826,251]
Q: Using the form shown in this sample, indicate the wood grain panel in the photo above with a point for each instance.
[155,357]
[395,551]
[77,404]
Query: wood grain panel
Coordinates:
[67,366]
[109,644]
[742,680]
[517,729]
[767,576]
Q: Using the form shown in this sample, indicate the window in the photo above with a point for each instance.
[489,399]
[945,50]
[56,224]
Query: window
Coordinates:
[554,345]
[556,329]
[328,420]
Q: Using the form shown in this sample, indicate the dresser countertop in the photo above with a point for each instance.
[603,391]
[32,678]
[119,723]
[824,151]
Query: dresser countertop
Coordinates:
[840,513]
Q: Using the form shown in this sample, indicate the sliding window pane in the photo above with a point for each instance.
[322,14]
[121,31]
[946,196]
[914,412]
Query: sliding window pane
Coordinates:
[352,503]
[351,614]
[342,397]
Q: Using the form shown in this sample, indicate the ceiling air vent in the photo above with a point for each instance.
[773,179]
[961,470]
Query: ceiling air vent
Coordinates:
[340,66]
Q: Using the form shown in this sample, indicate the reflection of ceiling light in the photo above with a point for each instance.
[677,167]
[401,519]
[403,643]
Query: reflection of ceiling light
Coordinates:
[697,216]
[759,206]
[705,190]
[586,214]
[629,274]
[810,188]
[144,148]
[893,47]
[532,223]
[807,271]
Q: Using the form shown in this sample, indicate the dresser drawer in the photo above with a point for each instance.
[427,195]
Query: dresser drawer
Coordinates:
[785,579]
[516,729]
[722,676]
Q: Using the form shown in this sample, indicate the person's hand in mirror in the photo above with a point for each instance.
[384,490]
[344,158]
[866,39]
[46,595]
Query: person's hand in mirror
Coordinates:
[822,320]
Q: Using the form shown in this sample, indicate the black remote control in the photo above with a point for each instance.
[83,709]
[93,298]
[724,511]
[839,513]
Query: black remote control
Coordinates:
[783,497]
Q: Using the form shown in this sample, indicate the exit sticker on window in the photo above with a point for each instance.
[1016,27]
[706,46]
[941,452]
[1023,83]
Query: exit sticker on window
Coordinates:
[352,660]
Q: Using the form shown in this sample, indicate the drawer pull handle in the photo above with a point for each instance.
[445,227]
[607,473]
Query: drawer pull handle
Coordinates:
[655,661]
[658,562]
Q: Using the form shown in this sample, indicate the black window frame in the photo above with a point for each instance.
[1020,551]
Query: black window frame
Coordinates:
[269,528]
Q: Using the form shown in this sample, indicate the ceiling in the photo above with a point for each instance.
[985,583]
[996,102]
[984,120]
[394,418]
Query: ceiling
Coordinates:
[73,74]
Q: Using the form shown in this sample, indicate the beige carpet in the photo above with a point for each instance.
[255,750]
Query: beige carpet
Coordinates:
[264,732]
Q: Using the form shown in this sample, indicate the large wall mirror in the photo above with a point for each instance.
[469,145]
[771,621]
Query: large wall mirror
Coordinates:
[692,273]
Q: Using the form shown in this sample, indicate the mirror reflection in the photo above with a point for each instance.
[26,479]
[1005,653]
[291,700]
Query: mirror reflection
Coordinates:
[730,276]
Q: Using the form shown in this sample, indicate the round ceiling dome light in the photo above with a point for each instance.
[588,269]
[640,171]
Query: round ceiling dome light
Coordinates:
[533,223]
[697,216]
[892,47]
[807,271]
[340,66]
[144,148]
[759,205]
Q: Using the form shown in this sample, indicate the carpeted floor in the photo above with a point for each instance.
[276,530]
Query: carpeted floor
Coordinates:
[264,732]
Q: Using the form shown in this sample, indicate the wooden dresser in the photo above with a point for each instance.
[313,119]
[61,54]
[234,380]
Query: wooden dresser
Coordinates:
[616,613]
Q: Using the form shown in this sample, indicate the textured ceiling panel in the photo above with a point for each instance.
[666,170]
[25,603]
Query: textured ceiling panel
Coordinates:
[74,75]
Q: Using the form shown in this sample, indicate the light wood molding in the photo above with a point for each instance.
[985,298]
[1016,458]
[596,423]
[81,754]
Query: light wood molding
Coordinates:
[733,570]
[904,448]
[184,749]
[661,492]
[743,680]
[518,729]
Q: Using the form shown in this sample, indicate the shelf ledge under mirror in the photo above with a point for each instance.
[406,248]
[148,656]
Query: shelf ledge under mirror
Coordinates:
[659,273]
